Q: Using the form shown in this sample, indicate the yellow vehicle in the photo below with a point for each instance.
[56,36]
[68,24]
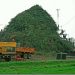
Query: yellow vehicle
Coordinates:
[9,50]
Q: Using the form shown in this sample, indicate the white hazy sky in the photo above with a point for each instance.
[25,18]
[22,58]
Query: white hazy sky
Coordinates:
[10,8]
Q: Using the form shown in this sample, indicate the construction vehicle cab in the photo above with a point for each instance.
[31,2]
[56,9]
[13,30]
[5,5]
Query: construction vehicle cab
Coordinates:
[7,50]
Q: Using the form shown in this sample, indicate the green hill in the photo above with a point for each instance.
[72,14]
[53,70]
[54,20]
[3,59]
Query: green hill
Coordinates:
[35,28]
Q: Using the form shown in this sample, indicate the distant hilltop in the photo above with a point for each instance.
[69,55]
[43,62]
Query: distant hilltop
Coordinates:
[35,28]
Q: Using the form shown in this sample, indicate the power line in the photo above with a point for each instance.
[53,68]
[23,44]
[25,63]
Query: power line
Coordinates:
[70,20]
[1,24]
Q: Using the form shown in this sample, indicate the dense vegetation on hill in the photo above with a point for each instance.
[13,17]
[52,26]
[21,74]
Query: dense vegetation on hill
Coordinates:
[35,28]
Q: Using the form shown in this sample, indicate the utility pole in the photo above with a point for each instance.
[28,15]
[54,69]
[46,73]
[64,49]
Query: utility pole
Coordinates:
[58,17]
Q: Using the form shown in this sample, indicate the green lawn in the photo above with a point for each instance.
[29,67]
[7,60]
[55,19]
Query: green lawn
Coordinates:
[39,67]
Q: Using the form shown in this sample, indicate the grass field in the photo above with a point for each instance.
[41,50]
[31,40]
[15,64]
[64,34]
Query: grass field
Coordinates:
[38,67]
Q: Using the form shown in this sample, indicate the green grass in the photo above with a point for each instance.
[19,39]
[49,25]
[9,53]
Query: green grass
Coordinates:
[40,67]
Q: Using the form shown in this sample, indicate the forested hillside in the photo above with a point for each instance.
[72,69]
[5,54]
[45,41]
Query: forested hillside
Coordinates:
[35,28]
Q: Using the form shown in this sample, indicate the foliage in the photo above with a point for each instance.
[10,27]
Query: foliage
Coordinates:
[38,67]
[35,28]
